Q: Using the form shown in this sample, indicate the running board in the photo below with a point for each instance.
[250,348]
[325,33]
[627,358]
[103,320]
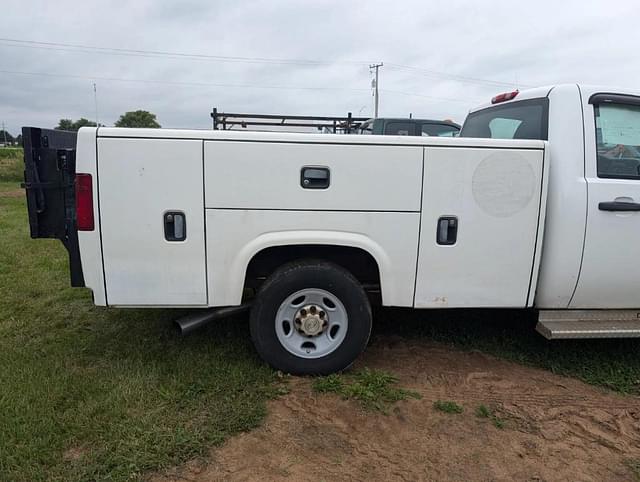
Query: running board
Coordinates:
[565,324]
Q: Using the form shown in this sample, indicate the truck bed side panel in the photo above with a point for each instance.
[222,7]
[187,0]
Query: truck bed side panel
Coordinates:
[495,196]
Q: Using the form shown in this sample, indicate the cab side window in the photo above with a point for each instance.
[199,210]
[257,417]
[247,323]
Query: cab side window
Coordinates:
[618,140]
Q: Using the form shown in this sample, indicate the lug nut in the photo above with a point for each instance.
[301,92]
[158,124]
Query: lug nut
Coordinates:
[303,312]
[321,314]
[312,310]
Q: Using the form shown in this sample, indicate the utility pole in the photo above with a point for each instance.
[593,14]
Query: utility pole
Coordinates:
[4,133]
[375,92]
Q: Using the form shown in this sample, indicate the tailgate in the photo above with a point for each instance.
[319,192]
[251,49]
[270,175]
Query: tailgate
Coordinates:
[49,175]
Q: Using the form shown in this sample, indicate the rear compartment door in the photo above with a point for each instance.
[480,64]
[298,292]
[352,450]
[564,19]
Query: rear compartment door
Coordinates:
[152,221]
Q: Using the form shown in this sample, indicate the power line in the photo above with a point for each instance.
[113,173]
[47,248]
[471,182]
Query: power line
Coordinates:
[439,99]
[80,48]
[226,85]
[442,75]
[163,54]
[177,82]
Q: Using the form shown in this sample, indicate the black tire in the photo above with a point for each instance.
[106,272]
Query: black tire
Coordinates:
[296,276]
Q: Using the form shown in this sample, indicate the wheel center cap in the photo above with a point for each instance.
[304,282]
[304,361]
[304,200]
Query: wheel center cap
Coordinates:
[311,325]
[311,320]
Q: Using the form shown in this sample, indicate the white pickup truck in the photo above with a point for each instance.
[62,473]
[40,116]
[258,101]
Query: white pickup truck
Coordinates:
[535,206]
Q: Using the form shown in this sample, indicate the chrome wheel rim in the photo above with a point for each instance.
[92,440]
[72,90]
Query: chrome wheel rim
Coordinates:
[311,323]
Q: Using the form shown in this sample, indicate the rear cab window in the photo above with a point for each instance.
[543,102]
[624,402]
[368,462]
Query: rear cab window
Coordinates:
[525,119]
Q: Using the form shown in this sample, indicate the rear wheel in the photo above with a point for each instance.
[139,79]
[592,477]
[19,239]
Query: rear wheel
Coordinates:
[310,317]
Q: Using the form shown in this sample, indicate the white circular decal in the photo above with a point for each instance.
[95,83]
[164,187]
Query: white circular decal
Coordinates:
[503,184]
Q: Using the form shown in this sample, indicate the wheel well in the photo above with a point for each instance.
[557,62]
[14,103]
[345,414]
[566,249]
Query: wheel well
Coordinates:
[355,260]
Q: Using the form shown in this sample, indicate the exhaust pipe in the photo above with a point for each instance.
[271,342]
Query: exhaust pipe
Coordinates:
[200,318]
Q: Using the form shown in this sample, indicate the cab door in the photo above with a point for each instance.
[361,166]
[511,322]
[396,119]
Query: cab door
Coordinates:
[610,272]
[152,221]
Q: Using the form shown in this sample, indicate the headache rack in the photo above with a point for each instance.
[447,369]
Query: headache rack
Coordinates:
[326,124]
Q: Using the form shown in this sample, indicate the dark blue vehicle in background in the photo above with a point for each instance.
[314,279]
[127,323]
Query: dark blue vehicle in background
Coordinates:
[409,127]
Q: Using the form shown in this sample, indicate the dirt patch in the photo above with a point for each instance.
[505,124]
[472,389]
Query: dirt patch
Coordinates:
[73,454]
[555,428]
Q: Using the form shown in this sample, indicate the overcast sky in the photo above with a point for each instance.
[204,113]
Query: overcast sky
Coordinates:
[459,53]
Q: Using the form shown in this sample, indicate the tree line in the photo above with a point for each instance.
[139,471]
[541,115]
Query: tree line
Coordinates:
[135,118]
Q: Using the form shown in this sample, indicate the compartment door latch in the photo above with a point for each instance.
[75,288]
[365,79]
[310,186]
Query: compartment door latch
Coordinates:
[447,232]
[175,226]
[315,177]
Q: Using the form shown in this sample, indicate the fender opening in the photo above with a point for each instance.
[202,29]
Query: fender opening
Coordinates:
[355,260]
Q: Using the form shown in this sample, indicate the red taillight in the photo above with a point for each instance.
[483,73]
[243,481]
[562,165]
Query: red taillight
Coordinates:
[504,97]
[84,202]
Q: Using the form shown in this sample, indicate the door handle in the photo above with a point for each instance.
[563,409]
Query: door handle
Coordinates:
[447,230]
[618,206]
[175,226]
[315,177]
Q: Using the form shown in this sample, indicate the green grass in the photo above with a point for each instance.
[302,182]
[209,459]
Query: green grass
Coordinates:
[330,384]
[447,406]
[88,393]
[634,466]
[11,164]
[373,389]
[510,334]
[482,411]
